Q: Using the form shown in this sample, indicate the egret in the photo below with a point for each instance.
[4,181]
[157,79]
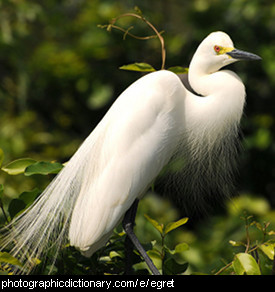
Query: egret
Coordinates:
[144,128]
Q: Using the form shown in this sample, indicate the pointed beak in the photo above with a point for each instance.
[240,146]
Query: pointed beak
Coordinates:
[242,55]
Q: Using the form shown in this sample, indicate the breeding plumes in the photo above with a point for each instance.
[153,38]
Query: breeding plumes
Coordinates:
[152,121]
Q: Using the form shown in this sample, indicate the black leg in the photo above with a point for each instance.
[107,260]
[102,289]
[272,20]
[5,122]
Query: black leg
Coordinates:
[129,254]
[128,225]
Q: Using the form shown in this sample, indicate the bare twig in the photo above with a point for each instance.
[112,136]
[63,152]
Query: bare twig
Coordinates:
[126,32]
[224,268]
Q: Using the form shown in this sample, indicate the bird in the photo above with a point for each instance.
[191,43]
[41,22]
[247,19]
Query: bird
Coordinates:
[142,131]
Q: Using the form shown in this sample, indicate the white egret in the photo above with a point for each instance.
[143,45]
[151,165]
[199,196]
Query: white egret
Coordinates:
[137,137]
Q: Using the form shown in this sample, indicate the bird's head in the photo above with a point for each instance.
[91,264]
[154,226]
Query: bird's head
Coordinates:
[216,51]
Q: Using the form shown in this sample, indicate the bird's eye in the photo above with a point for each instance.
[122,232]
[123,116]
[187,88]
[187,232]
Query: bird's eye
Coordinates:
[217,49]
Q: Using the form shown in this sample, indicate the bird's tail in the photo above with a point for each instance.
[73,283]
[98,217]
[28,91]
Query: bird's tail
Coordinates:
[43,227]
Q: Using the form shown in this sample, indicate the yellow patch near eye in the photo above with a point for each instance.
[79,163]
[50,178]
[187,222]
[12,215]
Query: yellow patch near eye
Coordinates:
[222,50]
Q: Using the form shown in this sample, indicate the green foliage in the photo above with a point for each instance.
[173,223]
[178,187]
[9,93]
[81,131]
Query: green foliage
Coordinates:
[144,67]
[248,262]
[178,70]
[220,243]
[245,264]
[24,201]
[18,166]
[139,67]
[173,225]
[29,167]
[110,260]
[256,258]
[6,258]
[43,167]
[59,74]
[255,254]
[163,257]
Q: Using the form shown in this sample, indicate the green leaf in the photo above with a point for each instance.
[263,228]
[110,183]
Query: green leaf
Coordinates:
[258,225]
[29,196]
[236,243]
[171,267]
[178,70]
[181,247]
[137,10]
[43,168]
[245,264]
[114,254]
[155,256]
[1,156]
[18,166]
[16,206]
[8,259]
[140,67]
[173,225]
[268,249]
[158,226]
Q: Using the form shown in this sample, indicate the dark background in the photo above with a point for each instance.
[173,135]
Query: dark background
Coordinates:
[59,75]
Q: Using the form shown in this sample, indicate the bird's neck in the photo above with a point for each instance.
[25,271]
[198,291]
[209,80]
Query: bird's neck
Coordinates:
[221,82]
[221,105]
[223,88]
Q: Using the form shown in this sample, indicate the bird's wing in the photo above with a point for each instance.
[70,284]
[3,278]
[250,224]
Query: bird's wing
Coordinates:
[113,166]
[136,139]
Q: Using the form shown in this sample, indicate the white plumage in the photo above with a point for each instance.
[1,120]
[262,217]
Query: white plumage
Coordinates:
[126,151]
[141,136]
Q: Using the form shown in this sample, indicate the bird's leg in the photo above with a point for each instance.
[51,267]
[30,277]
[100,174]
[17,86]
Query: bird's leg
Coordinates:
[128,256]
[128,225]
[129,219]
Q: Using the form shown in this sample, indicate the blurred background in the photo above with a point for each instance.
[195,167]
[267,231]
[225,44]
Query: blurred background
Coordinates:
[59,75]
